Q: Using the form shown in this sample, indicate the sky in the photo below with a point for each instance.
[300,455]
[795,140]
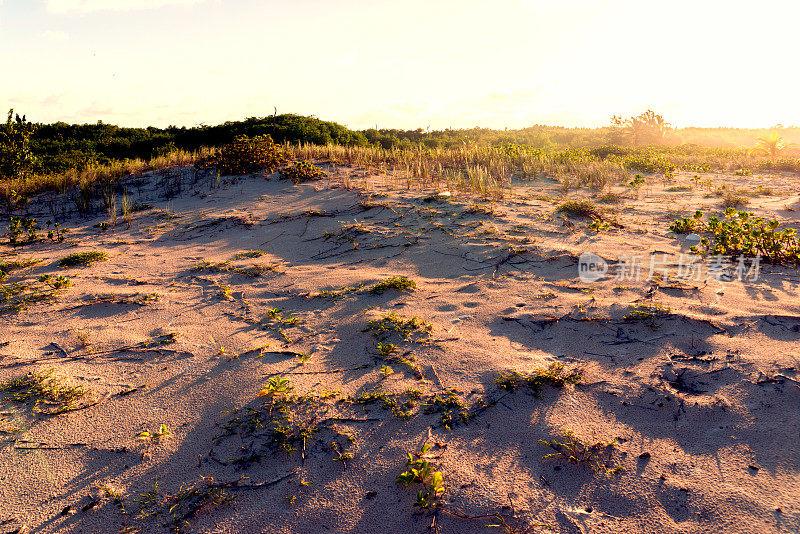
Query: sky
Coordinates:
[401,64]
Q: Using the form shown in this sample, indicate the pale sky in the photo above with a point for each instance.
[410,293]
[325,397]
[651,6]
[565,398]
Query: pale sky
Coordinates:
[402,64]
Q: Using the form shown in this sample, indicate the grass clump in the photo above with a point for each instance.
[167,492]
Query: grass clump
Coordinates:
[82,259]
[399,283]
[610,198]
[554,375]
[595,455]
[251,271]
[580,208]
[392,323]
[647,311]
[45,387]
[249,254]
[734,201]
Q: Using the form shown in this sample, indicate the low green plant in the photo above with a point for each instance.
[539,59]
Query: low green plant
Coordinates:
[595,455]
[15,265]
[742,233]
[637,181]
[55,232]
[554,375]
[276,386]
[392,323]
[249,254]
[399,283]
[419,470]
[82,259]
[610,198]
[598,226]
[386,349]
[18,296]
[162,432]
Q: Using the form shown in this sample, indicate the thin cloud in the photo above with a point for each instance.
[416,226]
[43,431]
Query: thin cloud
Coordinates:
[91,6]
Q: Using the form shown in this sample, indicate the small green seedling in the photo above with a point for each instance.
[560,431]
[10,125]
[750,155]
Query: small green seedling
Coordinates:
[162,431]
[276,386]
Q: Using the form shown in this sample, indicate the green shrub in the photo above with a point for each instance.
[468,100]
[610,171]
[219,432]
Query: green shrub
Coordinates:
[249,154]
[301,171]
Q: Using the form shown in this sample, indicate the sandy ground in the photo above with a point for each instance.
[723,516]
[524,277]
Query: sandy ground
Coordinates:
[702,397]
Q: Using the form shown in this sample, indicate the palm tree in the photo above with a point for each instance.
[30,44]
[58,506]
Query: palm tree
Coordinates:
[771,144]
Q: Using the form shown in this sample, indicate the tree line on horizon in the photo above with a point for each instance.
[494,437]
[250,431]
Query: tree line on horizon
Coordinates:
[60,146]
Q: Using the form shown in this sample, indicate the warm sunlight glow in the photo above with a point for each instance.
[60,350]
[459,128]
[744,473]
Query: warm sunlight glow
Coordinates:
[510,63]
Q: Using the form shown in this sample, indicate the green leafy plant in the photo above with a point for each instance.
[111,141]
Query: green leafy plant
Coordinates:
[162,432]
[742,233]
[419,470]
[598,226]
[637,181]
[19,227]
[386,349]
[17,159]
[276,386]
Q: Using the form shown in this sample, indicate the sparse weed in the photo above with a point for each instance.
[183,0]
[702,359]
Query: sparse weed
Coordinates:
[450,406]
[595,455]
[554,375]
[648,311]
[45,388]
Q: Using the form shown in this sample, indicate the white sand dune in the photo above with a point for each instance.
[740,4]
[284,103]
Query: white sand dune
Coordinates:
[702,398]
